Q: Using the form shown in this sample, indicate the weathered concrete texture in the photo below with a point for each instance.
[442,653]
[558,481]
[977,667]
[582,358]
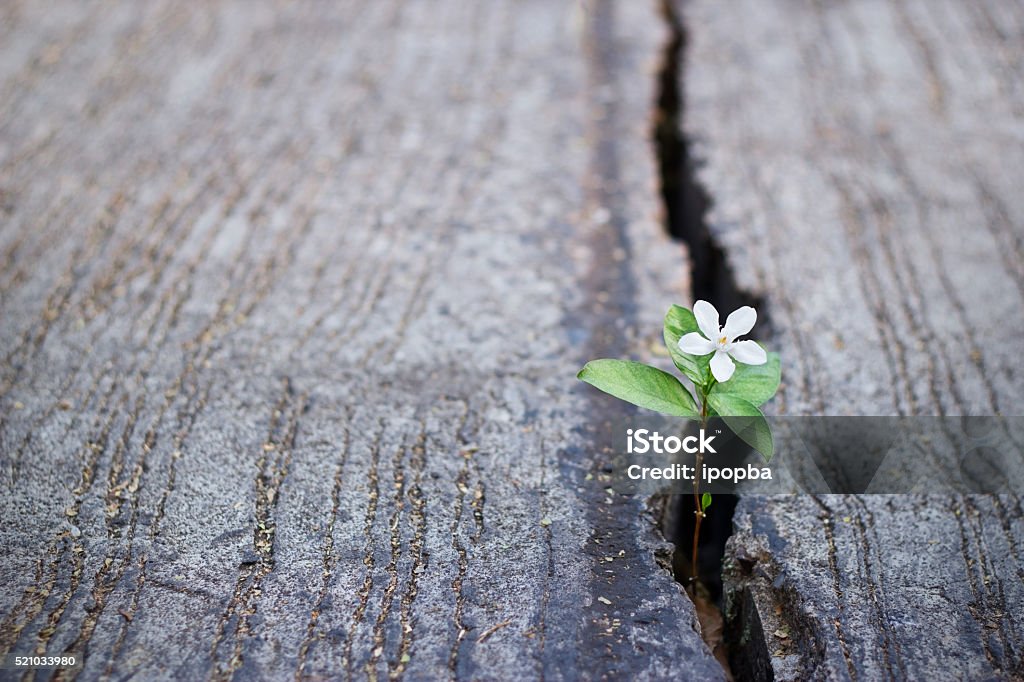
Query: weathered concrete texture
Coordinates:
[865,160]
[878,587]
[293,296]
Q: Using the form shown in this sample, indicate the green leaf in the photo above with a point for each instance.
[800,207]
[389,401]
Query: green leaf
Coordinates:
[641,385]
[679,322]
[705,501]
[745,420]
[754,383]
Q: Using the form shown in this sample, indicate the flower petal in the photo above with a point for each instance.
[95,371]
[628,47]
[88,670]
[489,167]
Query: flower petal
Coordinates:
[740,322]
[695,344]
[748,352]
[707,319]
[722,366]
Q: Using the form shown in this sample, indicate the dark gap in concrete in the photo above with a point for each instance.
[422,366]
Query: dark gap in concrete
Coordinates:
[686,207]
[686,201]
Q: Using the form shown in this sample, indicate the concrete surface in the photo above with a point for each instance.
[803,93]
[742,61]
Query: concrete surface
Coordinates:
[293,298]
[864,161]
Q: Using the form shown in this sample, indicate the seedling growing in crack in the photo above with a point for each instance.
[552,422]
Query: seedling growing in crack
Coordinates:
[730,380]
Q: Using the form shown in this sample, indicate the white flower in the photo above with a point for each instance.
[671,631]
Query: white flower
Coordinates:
[722,341]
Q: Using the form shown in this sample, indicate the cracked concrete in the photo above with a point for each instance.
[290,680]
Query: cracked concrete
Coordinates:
[293,299]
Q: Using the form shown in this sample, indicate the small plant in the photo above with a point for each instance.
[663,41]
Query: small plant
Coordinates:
[707,354]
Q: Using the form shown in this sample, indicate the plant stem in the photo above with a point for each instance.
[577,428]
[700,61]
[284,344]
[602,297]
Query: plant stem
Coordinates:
[698,510]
